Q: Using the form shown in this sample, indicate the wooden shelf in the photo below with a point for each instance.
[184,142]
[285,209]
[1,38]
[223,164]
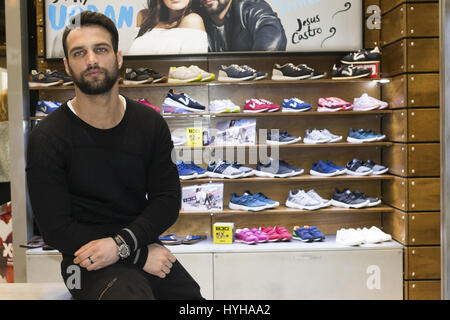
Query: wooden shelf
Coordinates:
[278,114]
[295,146]
[291,211]
[300,178]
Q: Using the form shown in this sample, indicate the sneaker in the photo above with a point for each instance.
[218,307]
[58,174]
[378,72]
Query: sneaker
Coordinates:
[201,173]
[222,106]
[340,102]
[357,168]
[323,202]
[321,169]
[375,235]
[44,108]
[148,104]
[284,234]
[183,101]
[347,72]
[246,203]
[170,239]
[206,76]
[271,232]
[315,74]
[299,199]
[295,105]
[67,81]
[367,103]
[297,171]
[349,237]
[235,73]
[302,234]
[222,170]
[316,234]
[178,141]
[273,169]
[347,199]
[183,75]
[248,172]
[372,201]
[42,79]
[271,106]
[281,138]
[326,105]
[261,197]
[259,75]
[342,170]
[361,136]
[184,172]
[315,137]
[362,56]
[376,168]
[255,106]
[262,236]
[333,137]
[139,76]
[290,72]
[245,236]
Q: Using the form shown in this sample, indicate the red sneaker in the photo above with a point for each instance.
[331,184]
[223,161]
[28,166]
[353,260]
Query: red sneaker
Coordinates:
[273,235]
[254,105]
[144,101]
[284,234]
[272,107]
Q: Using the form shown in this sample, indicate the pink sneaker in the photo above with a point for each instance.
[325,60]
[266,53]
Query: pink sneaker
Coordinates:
[262,237]
[329,106]
[273,235]
[245,236]
[144,101]
[254,105]
[272,107]
[284,234]
[340,102]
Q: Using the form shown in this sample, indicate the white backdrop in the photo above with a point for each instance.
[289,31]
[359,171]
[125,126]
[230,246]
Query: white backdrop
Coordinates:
[310,25]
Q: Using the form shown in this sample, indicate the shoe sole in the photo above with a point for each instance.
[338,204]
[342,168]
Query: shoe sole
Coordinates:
[309,141]
[176,104]
[234,206]
[359,174]
[360,62]
[325,109]
[259,173]
[210,78]
[173,80]
[318,77]
[352,77]
[224,176]
[40,84]
[380,172]
[188,177]
[320,174]
[277,77]
[291,204]
[373,204]
[256,111]
[349,206]
[162,79]
[300,239]
[149,80]
[354,140]
[229,79]
[284,109]
[261,77]
[277,143]
[365,109]
[245,242]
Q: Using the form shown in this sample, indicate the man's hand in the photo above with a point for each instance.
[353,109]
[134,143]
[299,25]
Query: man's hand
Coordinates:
[159,260]
[97,254]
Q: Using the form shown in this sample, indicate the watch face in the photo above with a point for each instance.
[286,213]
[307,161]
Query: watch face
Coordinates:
[124,251]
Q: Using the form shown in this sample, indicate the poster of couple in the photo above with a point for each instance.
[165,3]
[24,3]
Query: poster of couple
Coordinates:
[168,27]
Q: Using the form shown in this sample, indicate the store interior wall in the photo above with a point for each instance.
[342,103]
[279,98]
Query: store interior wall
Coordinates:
[5,189]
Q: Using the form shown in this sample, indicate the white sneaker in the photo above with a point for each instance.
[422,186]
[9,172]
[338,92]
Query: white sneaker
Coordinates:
[183,75]
[381,236]
[206,76]
[324,202]
[367,103]
[301,200]
[349,237]
[333,137]
[315,137]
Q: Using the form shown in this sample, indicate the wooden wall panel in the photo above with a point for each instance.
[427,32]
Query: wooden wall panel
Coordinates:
[423,290]
[422,263]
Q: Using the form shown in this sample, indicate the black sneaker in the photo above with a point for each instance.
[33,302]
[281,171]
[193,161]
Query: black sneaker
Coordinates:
[362,56]
[372,201]
[315,74]
[347,72]
[291,72]
[235,73]
[42,79]
[347,199]
[281,138]
[259,75]
[357,168]
[139,76]
[67,81]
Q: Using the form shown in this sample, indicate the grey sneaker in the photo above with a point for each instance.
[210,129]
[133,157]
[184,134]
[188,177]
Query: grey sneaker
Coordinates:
[301,200]
[221,169]
[324,202]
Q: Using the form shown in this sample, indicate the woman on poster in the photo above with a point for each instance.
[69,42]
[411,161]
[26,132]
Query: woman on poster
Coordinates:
[169,27]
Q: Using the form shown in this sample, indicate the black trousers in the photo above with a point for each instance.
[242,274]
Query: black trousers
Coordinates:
[126,282]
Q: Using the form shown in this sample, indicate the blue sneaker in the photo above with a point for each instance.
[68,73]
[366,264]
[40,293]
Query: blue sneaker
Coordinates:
[184,172]
[261,197]
[297,171]
[201,173]
[281,138]
[44,108]
[316,234]
[248,172]
[246,203]
[342,170]
[362,136]
[295,105]
[302,234]
[273,169]
[183,101]
[321,169]
[235,73]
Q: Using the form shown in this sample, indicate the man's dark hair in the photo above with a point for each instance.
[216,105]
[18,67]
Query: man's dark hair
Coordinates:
[91,18]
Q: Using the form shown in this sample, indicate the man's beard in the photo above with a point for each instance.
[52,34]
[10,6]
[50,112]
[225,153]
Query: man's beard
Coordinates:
[97,86]
[220,7]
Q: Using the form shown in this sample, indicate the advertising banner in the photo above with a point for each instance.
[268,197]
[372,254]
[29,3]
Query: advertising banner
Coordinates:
[165,27]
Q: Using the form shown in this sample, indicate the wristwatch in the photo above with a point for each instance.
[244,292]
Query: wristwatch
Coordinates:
[124,249]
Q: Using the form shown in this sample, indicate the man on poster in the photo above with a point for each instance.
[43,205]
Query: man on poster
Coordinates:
[242,25]
[101,181]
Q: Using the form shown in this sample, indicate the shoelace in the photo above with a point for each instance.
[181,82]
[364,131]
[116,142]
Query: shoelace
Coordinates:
[290,65]
[245,67]
[307,68]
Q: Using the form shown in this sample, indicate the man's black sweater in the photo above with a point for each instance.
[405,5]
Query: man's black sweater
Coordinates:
[86,183]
